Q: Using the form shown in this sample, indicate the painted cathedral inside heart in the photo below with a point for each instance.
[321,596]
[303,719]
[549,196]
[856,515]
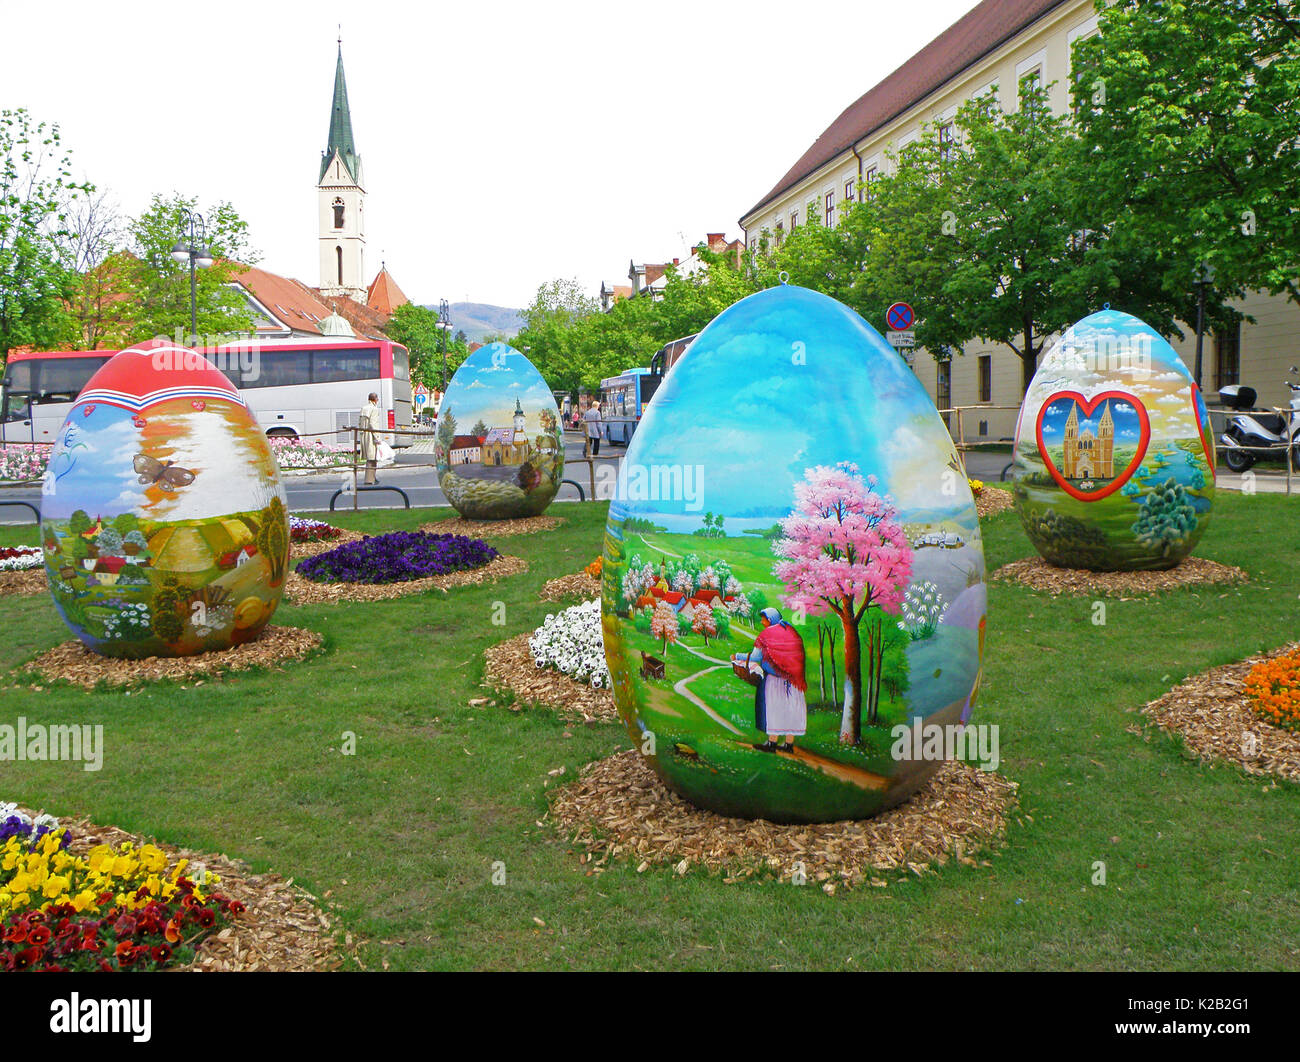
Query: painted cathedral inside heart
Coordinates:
[1114,464]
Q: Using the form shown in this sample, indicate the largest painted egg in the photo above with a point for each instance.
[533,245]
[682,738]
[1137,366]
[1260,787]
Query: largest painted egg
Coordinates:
[793,598]
[1114,466]
[163,518]
[500,447]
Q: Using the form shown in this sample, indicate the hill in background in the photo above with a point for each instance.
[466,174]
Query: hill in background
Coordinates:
[479,319]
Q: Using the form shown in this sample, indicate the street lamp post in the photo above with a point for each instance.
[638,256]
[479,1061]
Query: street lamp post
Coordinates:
[444,323]
[193,247]
[1204,280]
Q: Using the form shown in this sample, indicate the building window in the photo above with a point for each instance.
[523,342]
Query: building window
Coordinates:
[780,233]
[1227,357]
[1030,82]
[830,209]
[338,213]
[868,178]
[986,378]
[943,385]
[849,191]
[946,141]
[794,219]
[338,254]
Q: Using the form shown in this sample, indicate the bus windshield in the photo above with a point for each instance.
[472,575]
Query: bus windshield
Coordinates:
[48,380]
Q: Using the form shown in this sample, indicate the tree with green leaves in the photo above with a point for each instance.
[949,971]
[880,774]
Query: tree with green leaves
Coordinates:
[418,330]
[1189,112]
[36,188]
[159,286]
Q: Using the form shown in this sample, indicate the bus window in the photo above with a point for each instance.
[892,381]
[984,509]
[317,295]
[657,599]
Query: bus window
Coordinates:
[50,380]
[279,368]
[333,366]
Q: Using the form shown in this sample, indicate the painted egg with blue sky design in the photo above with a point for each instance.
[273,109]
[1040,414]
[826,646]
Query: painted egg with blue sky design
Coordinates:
[163,518]
[500,444]
[793,597]
[1114,456]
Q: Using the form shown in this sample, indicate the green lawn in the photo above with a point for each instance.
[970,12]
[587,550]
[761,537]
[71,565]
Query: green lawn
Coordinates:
[1201,863]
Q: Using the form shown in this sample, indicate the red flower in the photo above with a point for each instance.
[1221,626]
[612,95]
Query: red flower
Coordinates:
[172,931]
[128,957]
[89,943]
[207,918]
[27,956]
[161,953]
[124,947]
[236,908]
[39,935]
[16,934]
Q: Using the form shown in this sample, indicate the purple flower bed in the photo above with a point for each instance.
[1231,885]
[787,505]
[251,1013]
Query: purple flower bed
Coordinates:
[397,557]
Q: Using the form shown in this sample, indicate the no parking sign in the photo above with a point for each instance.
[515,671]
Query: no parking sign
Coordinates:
[900,317]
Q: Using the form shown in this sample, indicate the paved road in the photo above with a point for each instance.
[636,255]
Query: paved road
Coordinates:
[312,493]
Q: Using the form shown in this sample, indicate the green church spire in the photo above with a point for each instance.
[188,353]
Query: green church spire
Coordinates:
[341,139]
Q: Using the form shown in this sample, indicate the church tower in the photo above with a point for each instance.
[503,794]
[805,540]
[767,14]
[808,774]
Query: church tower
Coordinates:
[1106,430]
[341,199]
[521,436]
[1072,441]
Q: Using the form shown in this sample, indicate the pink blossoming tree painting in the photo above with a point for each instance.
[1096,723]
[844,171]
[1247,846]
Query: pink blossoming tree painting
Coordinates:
[663,624]
[845,553]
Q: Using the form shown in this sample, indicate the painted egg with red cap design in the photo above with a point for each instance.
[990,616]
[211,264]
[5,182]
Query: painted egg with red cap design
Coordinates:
[162,516]
[1114,457]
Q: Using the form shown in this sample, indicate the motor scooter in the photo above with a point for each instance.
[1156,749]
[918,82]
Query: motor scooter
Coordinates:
[1258,428]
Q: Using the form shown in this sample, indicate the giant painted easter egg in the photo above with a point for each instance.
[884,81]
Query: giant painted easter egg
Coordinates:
[793,599]
[500,448]
[1114,458]
[163,518]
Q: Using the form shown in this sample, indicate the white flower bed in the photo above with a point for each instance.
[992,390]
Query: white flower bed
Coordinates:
[25,559]
[22,463]
[571,642]
[295,455]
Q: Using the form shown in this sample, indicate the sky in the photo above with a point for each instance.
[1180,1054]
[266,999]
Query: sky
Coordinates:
[486,386]
[505,144]
[819,387]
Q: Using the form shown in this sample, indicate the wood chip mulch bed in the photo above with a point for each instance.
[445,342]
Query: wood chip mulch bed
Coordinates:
[618,807]
[22,584]
[283,928]
[525,525]
[302,591]
[579,585]
[302,550]
[991,501]
[1213,715]
[73,662]
[1037,574]
[510,666]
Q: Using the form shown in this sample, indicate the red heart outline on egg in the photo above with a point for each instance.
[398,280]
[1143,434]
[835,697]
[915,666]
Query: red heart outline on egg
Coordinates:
[1200,428]
[88,411]
[1087,407]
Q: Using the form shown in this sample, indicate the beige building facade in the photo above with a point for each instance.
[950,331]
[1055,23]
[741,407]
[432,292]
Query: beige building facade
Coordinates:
[995,48]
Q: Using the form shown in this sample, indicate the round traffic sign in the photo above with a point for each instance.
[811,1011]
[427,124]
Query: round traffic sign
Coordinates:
[900,316]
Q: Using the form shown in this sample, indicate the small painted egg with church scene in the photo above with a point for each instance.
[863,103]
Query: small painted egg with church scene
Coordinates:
[500,445]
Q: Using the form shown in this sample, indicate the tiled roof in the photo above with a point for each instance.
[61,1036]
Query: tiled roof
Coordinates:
[292,302]
[462,442]
[966,41]
[384,296]
[364,321]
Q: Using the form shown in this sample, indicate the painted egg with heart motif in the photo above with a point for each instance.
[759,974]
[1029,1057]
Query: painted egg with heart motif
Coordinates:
[1114,456]
[162,514]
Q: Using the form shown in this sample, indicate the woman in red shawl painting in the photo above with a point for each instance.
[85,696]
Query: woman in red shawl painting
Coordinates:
[780,708]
